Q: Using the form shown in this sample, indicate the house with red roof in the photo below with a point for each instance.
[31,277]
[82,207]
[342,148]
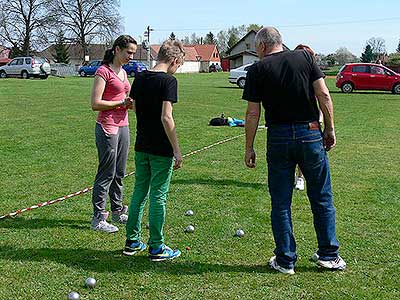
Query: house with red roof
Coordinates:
[198,58]
[4,54]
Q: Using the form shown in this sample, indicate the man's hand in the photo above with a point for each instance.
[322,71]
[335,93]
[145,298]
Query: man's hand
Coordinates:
[250,158]
[329,139]
[178,160]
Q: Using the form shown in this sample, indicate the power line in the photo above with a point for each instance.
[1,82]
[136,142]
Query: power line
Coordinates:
[294,25]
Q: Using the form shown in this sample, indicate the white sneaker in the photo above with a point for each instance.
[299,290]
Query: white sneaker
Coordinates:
[299,184]
[120,216]
[100,223]
[335,264]
[274,265]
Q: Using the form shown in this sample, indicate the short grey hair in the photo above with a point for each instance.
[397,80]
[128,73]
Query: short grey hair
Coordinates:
[268,35]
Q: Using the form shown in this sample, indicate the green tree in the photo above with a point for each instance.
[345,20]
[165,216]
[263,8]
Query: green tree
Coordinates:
[398,47]
[331,59]
[210,39]
[61,54]
[394,59]
[254,27]
[233,39]
[368,55]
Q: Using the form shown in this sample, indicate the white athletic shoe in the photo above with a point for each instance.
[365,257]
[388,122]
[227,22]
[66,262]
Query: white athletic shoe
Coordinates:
[120,216]
[274,265]
[335,264]
[100,223]
[299,184]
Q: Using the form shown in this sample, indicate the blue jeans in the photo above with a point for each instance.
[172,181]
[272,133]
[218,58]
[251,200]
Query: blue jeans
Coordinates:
[288,145]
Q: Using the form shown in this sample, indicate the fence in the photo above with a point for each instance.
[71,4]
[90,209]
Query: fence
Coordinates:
[64,70]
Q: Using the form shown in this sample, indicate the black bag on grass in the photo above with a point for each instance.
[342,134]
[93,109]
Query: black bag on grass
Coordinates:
[218,122]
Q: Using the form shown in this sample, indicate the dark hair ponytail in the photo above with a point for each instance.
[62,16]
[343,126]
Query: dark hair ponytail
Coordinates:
[122,42]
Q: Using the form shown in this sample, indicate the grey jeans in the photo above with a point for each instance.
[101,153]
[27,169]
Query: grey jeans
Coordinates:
[113,151]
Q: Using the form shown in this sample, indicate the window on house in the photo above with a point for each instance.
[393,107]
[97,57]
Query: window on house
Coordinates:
[247,46]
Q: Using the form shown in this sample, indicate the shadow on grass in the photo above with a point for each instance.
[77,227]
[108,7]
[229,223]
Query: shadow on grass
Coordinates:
[229,87]
[220,182]
[365,93]
[115,262]
[24,223]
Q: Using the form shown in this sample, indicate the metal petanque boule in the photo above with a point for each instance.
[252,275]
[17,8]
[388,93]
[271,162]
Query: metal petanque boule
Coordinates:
[90,282]
[189,212]
[189,228]
[239,233]
[73,296]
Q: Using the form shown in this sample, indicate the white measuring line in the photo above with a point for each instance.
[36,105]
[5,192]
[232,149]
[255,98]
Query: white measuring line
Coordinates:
[88,189]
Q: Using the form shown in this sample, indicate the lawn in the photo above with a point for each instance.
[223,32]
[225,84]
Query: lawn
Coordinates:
[47,150]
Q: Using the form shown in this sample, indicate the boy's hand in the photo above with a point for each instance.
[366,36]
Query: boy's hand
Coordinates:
[177,160]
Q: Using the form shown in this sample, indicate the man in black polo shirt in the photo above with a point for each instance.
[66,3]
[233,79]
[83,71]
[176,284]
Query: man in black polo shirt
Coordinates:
[287,84]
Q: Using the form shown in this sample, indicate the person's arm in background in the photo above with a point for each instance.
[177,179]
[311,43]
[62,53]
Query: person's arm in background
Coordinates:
[251,126]
[326,106]
[168,122]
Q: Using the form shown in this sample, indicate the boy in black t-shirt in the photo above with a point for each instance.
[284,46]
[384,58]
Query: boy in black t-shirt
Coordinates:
[157,150]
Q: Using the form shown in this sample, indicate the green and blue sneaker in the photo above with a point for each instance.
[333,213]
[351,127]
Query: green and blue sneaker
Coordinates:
[133,247]
[163,253]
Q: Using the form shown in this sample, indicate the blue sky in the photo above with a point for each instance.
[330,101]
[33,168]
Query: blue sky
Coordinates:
[324,25]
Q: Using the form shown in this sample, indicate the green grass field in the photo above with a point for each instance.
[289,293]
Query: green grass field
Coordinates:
[47,151]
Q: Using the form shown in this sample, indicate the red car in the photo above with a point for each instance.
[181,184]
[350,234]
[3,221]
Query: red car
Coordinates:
[365,76]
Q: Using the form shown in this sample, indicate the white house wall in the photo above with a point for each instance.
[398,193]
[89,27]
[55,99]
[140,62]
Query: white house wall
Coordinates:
[189,67]
[248,44]
[249,59]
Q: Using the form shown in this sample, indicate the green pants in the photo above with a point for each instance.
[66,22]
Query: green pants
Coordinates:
[152,177]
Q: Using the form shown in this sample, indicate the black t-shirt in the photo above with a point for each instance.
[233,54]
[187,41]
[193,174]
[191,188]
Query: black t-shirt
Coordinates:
[150,89]
[282,82]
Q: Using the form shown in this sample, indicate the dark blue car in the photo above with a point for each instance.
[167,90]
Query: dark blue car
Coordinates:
[133,67]
[90,68]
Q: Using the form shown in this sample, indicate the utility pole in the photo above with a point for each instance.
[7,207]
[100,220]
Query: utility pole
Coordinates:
[146,45]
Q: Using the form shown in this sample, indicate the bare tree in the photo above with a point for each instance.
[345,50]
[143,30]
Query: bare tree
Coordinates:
[88,21]
[377,45]
[23,23]
[195,40]
[343,56]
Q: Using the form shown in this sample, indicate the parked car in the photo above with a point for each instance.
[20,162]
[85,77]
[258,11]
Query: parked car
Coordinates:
[90,68]
[26,67]
[238,75]
[367,76]
[133,67]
